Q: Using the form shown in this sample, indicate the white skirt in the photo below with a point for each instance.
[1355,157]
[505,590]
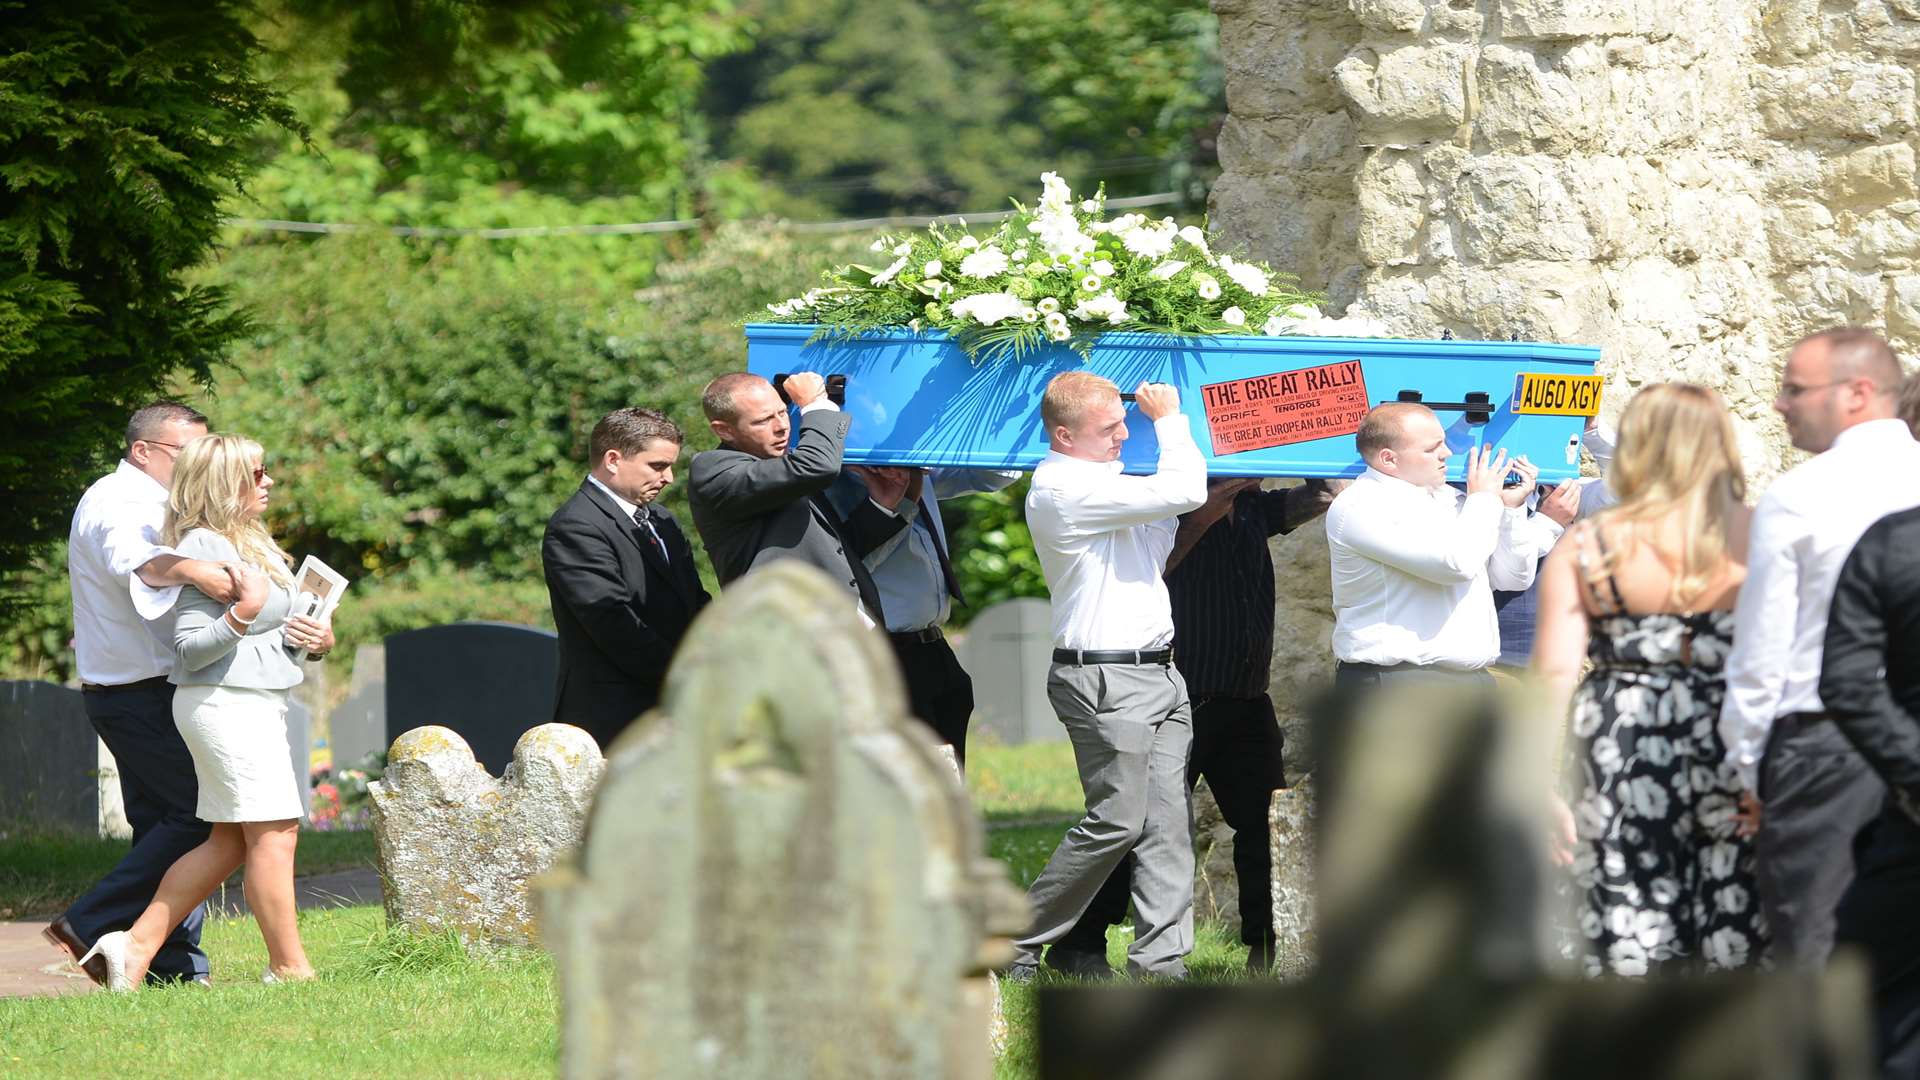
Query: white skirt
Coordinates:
[238,738]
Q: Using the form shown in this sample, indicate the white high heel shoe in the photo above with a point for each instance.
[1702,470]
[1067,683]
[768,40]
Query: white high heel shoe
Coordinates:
[112,949]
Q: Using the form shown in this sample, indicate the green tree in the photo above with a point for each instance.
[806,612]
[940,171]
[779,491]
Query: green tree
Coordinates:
[858,106]
[122,128]
[1137,84]
[464,114]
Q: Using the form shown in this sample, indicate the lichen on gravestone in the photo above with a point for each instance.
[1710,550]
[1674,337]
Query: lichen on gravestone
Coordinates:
[457,847]
[781,877]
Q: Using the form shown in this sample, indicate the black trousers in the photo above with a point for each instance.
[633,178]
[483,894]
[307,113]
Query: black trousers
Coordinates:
[939,691]
[1237,749]
[1816,795]
[1877,914]
[158,788]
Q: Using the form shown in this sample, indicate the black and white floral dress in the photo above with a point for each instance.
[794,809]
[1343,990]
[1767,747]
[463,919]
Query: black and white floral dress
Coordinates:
[1668,883]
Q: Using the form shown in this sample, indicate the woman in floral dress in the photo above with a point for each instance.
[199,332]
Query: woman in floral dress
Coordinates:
[1645,590]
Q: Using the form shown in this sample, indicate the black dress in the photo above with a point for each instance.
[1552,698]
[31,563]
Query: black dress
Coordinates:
[1667,883]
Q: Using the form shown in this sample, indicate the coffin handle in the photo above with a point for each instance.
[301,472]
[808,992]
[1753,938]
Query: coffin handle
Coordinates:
[836,389]
[1478,406]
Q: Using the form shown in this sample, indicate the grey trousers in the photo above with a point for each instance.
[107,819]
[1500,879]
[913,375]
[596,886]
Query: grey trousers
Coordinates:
[1816,794]
[1132,727]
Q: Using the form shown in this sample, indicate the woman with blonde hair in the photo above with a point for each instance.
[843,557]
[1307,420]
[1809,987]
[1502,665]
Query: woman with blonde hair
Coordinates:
[233,666]
[1645,590]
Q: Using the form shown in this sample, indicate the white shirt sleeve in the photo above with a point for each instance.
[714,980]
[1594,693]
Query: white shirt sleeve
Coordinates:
[128,544]
[1113,501]
[1524,540]
[823,403]
[1446,548]
[1764,619]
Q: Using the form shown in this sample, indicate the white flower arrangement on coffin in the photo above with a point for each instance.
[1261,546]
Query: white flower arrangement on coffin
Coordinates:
[1060,273]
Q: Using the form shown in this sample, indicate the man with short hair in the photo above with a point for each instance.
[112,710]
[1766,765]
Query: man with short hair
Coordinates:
[1103,539]
[756,500]
[915,577]
[121,577]
[1810,791]
[1415,562]
[621,576]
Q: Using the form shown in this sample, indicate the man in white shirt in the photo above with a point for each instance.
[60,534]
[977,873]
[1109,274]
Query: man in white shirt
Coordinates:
[1415,562]
[1103,540]
[121,576]
[1810,791]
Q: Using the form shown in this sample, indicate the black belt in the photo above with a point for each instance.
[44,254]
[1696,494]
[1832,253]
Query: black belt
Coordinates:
[1382,669]
[154,683]
[926,636]
[1083,657]
[1798,721]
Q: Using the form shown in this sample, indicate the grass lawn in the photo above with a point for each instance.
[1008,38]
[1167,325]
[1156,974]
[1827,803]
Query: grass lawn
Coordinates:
[389,1004]
[42,872]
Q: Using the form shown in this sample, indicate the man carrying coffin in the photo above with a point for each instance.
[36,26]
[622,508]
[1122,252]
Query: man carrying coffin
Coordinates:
[1103,540]
[917,584]
[755,499]
[1415,562]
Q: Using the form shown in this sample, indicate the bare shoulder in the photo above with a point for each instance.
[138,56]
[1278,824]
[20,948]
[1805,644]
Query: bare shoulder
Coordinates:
[1739,531]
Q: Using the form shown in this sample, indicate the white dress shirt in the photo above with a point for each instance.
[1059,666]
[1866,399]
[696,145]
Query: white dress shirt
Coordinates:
[116,531]
[1103,538]
[1803,530]
[635,515]
[1414,571]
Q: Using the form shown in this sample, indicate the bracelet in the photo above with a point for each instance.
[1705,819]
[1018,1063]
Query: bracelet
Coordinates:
[235,616]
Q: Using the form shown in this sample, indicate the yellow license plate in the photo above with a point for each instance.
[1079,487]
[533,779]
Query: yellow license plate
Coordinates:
[1536,394]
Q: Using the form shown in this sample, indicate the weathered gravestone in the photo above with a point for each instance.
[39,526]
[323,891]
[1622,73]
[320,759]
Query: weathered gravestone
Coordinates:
[488,681]
[1436,959]
[1007,650]
[781,877]
[357,727]
[50,759]
[1290,836]
[457,848]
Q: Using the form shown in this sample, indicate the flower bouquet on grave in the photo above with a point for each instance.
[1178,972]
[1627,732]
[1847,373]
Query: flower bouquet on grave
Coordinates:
[942,351]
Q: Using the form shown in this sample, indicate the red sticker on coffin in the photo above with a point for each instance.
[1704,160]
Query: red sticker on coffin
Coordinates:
[1285,407]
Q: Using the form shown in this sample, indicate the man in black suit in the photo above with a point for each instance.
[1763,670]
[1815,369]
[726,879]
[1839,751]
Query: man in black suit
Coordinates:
[1870,684]
[621,576]
[755,500]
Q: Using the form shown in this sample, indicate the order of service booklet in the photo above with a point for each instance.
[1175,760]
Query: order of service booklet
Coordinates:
[317,589]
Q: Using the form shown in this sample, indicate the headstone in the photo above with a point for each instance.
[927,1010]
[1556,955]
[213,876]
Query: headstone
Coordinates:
[357,727]
[1008,649]
[457,847]
[1290,836]
[488,681]
[49,757]
[781,877]
[1436,958]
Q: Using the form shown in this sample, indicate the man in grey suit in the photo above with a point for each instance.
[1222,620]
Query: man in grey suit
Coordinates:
[755,499]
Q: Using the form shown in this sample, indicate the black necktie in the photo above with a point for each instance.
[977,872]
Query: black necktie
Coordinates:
[649,536]
[939,549]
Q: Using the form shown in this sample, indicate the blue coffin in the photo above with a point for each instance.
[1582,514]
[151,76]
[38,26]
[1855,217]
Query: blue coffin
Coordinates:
[1259,406]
